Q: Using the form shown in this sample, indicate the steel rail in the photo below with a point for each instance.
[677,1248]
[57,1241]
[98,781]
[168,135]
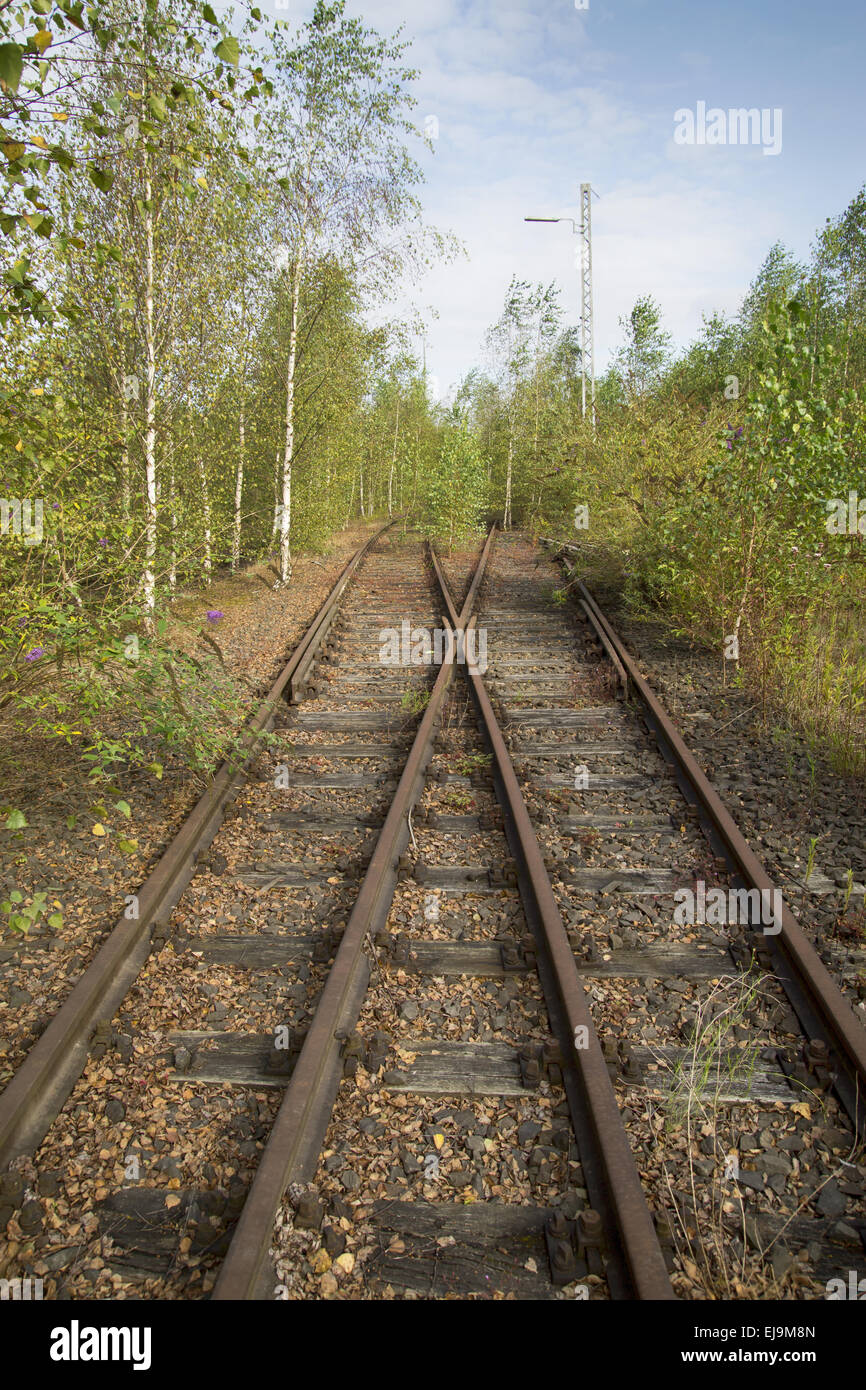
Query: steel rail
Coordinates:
[811,990]
[293,1145]
[36,1093]
[637,1267]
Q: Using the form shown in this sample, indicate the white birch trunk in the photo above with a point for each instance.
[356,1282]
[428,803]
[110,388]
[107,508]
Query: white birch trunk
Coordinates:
[172,510]
[288,455]
[206,514]
[150,514]
[239,493]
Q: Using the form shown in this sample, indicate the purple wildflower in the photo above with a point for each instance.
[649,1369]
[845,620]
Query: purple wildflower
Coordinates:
[35,654]
[103,541]
[738,432]
[728,444]
[214,615]
[55,506]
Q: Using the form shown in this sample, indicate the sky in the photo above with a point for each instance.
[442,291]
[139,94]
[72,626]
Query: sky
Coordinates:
[534,97]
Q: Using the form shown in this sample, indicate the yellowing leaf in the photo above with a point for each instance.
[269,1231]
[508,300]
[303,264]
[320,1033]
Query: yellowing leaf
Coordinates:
[98,829]
[172,1201]
[40,141]
[801,1108]
[438,1140]
[13,149]
[202,182]
[59,116]
[42,39]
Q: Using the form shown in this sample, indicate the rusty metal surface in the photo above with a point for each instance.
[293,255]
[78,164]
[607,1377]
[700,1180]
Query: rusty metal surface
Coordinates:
[40,1086]
[292,1148]
[814,995]
[621,674]
[592,1101]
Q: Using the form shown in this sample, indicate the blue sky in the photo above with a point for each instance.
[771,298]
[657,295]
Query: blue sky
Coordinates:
[533,97]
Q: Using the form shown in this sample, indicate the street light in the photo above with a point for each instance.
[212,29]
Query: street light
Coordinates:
[587,354]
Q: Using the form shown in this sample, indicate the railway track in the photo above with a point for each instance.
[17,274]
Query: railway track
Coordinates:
[391,1039]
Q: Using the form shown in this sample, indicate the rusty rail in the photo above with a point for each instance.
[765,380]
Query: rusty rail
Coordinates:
[822,1009]
[38,1090]
[636,1268]
[302,1120]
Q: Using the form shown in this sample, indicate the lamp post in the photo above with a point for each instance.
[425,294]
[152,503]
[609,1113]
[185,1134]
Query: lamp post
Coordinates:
[587,353]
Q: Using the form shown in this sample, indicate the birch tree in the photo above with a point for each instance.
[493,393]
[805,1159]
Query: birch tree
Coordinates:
[344,183]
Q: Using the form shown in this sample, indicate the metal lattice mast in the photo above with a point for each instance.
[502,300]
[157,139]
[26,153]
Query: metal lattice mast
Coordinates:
[587,352]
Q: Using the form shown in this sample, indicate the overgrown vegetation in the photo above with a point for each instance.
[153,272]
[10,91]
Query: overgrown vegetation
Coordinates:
[196,211]
[723,489]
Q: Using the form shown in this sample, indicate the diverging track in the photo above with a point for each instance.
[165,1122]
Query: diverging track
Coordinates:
[419,1019]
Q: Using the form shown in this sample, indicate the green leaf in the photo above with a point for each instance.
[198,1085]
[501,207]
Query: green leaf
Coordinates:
[123,808]
[11,65]
[228,49]
[56,919]
[100,178]
[16,896]
[16,820]
[209,15]
[71,822]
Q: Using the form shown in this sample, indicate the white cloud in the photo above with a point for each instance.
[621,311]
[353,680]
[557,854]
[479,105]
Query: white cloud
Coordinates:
[534,97]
